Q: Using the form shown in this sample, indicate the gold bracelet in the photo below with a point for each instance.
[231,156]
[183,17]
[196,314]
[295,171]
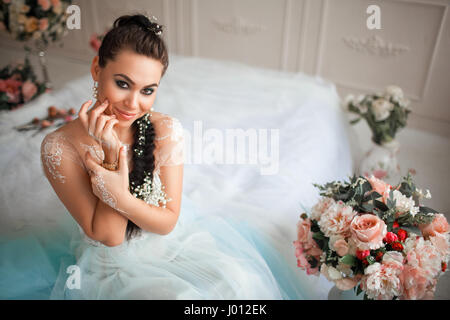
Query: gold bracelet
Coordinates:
[110,166]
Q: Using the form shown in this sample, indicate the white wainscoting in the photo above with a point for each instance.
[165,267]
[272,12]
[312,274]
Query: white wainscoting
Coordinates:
[327,38]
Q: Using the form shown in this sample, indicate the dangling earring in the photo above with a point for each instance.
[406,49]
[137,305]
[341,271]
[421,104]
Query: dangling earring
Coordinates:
[95,90]
[151,109]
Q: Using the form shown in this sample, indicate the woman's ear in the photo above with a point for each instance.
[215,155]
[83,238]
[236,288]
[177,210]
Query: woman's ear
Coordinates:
[95,68]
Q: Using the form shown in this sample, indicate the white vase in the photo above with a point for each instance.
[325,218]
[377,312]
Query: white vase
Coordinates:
[381,161]
[338,294]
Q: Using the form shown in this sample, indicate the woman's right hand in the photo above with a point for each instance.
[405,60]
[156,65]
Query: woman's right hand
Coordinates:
[100,127]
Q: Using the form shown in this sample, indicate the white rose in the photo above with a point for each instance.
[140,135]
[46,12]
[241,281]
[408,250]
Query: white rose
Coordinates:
[404,204]
[349,98]
[395,92]
[382,109]
[331,273]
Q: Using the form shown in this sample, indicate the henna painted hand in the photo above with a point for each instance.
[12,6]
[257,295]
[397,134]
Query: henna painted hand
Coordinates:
[109,186]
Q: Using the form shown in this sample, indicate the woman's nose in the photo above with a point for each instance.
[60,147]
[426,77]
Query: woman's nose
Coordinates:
[133,101]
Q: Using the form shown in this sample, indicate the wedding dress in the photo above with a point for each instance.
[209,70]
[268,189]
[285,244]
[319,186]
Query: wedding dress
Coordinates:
[204,257]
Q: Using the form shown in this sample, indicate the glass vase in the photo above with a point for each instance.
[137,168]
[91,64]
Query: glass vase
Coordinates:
[381,161]
[338,294]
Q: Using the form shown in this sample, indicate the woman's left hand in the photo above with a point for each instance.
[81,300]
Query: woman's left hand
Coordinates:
[109,186]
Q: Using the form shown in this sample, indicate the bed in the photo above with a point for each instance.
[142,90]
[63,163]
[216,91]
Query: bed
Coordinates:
[302,110]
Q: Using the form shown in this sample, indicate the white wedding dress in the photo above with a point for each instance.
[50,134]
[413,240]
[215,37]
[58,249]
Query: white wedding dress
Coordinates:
[204,257]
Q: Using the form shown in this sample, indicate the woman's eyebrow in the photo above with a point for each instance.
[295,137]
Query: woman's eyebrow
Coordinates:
[132,82]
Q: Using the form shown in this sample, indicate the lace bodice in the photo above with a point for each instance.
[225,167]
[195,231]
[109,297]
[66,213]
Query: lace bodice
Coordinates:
[169,151]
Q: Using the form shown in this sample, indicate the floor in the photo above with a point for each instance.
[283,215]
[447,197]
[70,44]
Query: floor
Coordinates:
[428,154]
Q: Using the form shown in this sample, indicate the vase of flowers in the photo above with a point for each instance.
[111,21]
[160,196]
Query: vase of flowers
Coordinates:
[18,85]
[39,21]
[385,113]
[374,238]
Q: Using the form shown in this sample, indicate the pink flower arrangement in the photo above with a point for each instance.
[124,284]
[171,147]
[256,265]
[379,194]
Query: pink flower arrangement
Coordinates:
[43,20]
[18,85]
[375,238]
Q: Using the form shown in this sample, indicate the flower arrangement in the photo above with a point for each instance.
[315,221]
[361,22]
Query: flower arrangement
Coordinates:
[385,113]
[55,118]
[43,20]
[370,233]
[96,40]
[18,85]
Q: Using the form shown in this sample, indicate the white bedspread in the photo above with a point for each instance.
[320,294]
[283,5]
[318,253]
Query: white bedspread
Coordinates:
[313,144]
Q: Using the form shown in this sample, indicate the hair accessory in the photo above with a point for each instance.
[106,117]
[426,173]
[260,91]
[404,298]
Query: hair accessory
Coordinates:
[156,28]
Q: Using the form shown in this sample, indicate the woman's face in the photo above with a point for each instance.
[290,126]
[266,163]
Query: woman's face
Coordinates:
[130,83]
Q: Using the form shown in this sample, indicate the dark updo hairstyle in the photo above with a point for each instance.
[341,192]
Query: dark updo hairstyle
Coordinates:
[139,34]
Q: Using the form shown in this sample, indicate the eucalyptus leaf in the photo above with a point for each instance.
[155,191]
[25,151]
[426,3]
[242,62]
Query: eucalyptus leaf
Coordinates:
[348,260]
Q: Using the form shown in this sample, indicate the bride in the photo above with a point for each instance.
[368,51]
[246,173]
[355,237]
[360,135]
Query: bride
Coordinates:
[118,170]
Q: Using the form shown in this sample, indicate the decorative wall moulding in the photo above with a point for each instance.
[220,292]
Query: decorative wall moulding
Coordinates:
[375,45]
[238,25]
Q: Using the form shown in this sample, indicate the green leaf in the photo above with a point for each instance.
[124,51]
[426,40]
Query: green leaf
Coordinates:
[368,207]
[348,259]
[426,210]
[318,236]
[380,205]
[355,121]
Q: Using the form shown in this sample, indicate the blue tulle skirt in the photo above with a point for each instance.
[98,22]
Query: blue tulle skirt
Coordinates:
[204,257]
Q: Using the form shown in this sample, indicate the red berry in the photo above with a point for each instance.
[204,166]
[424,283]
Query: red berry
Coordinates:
[365,263]
[395,225]
[397,246]
[390,237]
[444,266]
[362,254]
[402,234]
[379,256]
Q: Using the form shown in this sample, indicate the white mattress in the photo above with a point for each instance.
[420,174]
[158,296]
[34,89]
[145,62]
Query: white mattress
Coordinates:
[313,144]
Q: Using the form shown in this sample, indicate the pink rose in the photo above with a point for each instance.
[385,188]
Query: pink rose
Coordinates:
[11,87]
[45,4]
[304,230]
[94,42]
[341,247]
[439,225]
[368,231]
[302,259]
[43,24]
[348,283]
[29,89]
[415,283]
[441,244]
[378,185]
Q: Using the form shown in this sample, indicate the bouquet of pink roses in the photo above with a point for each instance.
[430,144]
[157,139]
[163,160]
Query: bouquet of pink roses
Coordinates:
[18,85]
[370,233]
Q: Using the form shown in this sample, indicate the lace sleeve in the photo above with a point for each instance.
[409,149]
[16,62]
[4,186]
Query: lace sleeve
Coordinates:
[169,142]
